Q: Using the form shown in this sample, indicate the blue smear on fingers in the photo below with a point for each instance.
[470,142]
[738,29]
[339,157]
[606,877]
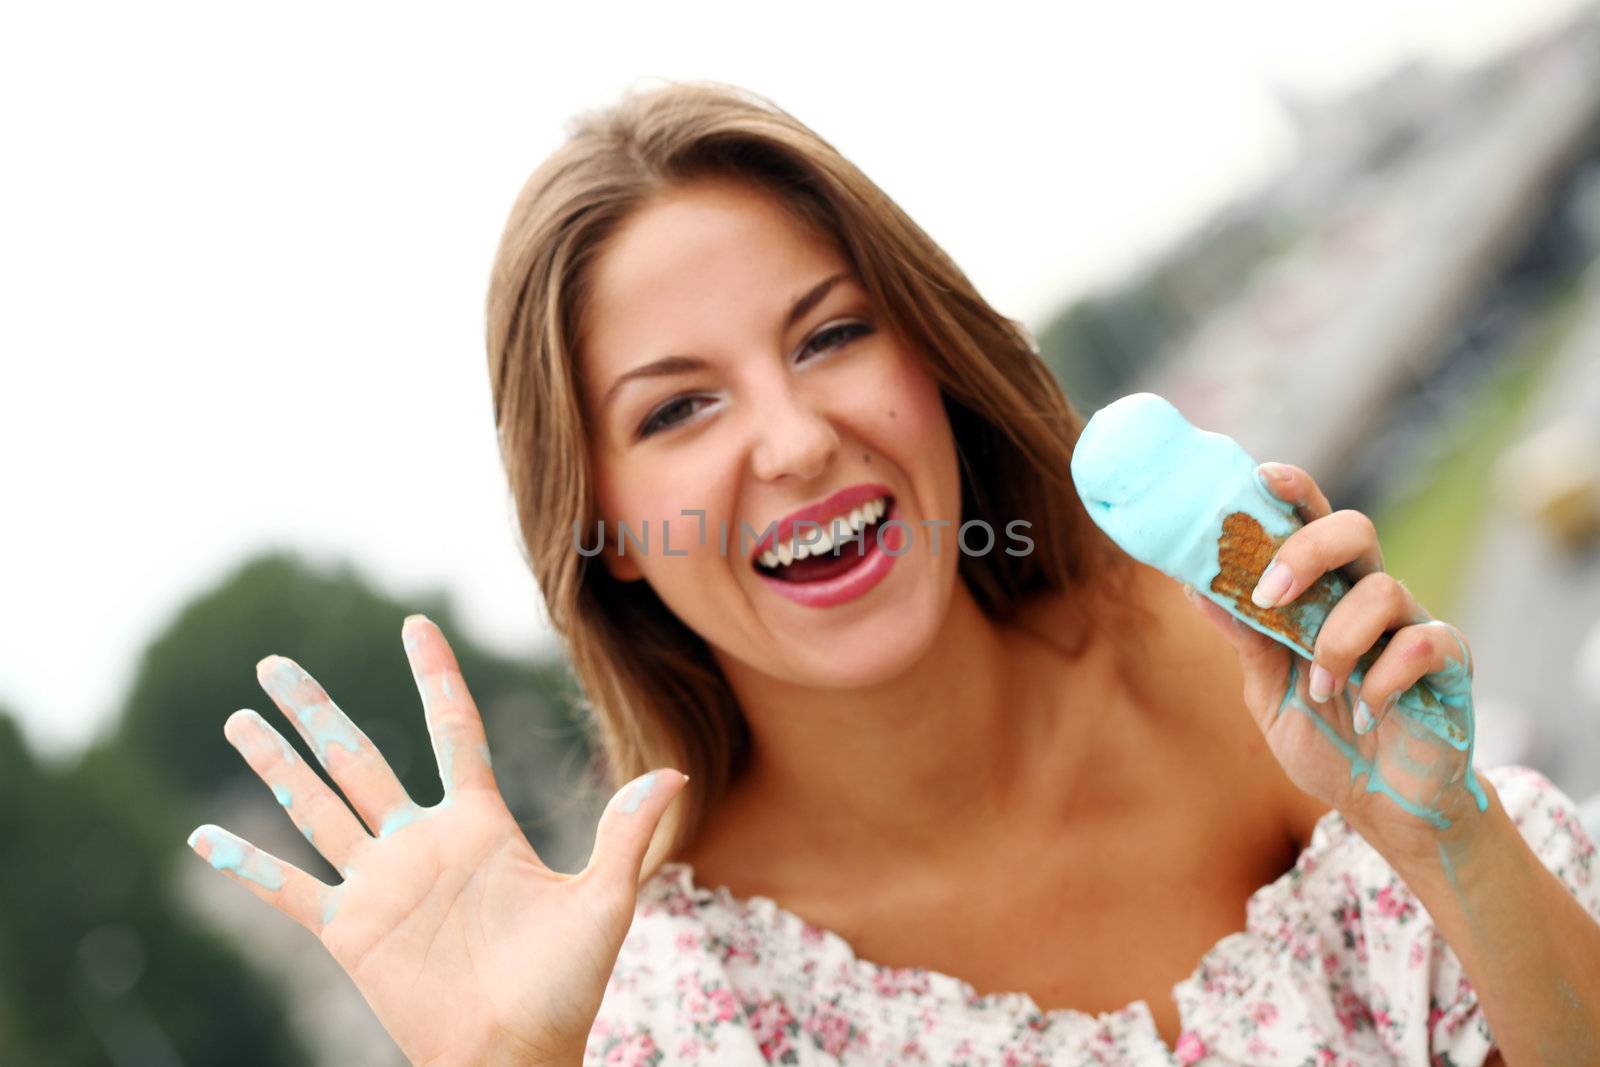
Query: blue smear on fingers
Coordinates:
[640,790]
[322,720]
[228,853]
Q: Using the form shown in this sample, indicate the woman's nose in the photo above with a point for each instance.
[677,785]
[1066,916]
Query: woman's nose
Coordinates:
[793,438]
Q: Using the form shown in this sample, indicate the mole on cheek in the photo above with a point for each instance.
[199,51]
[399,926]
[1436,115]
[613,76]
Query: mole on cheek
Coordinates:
[865,458]
[891,413]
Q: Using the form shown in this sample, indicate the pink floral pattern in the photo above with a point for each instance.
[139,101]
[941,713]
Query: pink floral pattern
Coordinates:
[1339,965]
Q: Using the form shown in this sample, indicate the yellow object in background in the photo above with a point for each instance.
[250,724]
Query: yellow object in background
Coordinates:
[1553,477]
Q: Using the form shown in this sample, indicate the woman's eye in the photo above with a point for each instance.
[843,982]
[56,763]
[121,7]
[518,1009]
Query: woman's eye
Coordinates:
[657,419]
[832,337]
[848,331]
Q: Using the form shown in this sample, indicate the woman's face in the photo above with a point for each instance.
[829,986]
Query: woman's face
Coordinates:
[767,416]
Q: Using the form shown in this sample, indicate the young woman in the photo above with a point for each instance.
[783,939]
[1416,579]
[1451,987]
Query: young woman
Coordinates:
[948,805]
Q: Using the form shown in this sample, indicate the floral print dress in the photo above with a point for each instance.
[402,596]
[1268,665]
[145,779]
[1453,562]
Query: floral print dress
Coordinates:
[1338,965]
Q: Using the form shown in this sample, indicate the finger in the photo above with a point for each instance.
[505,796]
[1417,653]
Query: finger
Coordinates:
[283,885]
[456,728]
[351,758]
[1343,540]
[1292,484]
[627,825]
[1431,651]
[1247,638]
[319,812]
[1225,623]
[1374,606]
[1261,657]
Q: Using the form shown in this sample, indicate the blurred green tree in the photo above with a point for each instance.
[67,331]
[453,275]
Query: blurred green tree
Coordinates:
[346,633]
[98,964]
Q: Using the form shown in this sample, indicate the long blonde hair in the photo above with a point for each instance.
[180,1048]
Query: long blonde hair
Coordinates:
[653,694]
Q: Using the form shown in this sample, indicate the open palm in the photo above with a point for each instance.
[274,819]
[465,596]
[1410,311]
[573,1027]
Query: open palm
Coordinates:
[468,948]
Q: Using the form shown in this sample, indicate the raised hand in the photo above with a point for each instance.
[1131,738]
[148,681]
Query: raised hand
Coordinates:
[1343,724]
[466,946]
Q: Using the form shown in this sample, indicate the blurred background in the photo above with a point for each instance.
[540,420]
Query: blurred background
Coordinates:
[246,408]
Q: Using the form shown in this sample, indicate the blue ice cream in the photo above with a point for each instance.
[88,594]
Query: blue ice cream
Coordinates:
[1189,503]
[1164,491]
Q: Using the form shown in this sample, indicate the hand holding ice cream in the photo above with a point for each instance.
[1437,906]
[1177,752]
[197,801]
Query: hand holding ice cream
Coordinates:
[1382,691]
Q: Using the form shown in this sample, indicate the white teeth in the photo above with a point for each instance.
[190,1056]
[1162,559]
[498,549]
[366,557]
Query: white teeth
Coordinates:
[840,529]
[824,545]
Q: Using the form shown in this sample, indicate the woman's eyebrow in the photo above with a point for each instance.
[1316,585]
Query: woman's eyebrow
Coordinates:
[681,364]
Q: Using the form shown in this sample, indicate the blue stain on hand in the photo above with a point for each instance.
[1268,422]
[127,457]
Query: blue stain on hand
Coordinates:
[641,790]
[330,904]
[229,853]
[1184,501]
[400,818]
[322,720]
[285,799]
[444,751]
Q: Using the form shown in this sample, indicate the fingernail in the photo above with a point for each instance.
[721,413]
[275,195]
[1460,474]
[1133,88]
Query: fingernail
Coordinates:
[415,618]
[1273,472]
[1363,717]
[1321,683]
[1273,584]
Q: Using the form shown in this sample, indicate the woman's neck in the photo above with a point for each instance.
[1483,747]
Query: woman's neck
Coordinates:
[997,721]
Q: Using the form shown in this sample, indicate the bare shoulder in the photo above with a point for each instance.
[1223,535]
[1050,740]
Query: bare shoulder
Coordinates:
[1213,659]
[1193,686]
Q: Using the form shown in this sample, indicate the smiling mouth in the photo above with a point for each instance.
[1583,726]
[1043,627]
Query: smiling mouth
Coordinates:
[844,556]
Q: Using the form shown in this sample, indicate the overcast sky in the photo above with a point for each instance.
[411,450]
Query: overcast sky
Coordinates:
[244,249]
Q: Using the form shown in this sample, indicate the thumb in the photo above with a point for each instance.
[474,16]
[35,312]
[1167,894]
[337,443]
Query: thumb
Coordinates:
[1263,660]
[629,823]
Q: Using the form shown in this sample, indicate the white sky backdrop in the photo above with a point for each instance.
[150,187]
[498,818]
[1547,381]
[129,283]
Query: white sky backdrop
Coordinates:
[243,249]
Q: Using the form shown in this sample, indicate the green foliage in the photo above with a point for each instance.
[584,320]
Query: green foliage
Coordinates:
[100,963]
[1101,343]
[346,633]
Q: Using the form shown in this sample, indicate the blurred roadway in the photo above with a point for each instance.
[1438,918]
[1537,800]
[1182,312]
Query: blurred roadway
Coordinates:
[1529,604]
[1300,365]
